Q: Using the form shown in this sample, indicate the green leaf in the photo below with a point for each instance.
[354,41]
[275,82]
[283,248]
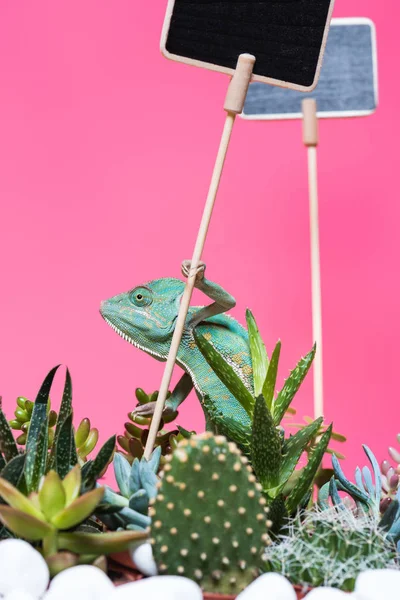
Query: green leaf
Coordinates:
[36,448]
[65,448]
[2,462]
[259,356]
[230,428]
[8,445]
[52,496]
[292,384]
[349,487]
[79,510]
[270,381]
[24,525]
[225,373]
[72,485]
[13,471]
[266,448]
[100,543]
[122,470]
[306,479]
[16,500]
[64,412]
[294,447]
[97,466]
[82,432]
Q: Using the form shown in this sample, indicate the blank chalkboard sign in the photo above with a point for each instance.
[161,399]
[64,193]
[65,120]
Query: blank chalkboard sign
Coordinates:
[287,37]
[348,83]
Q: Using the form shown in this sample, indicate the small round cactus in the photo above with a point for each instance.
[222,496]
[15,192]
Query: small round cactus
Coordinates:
[210,519]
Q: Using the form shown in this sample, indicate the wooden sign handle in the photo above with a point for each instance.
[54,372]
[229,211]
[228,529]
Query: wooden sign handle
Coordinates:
[310,139]
[234,104]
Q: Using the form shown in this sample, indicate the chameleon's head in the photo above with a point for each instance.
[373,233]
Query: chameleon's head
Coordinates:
[145,316]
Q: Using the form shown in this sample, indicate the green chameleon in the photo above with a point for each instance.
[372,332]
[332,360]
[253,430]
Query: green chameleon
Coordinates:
[145,316]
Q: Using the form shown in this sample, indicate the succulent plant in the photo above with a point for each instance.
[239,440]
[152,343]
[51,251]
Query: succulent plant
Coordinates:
[273,457]
[210,520]
[390,476]
[137,483]
[134,439]
[330,547]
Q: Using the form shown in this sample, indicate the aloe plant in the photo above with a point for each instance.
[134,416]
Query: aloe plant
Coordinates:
[273,457]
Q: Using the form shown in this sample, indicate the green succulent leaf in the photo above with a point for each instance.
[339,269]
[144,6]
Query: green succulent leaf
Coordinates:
[72,484]
[65,452]
[79,510]
[89,444]
[16,500]
[294,447]
[306,479]
[8,446]
[231,428]
[92,470]
[349,487]
[225,373]
[270,381]
[23,524]
[266,447]
[82,432]
[36,448]
[376,491]
[64,412]
[122,470]
[292,384]
[52,495]
[259,356]
[14,470]
[104,543]
[2,462]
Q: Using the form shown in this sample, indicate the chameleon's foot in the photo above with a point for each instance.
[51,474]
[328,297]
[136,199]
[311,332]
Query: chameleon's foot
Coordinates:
[185,268]
[147,410]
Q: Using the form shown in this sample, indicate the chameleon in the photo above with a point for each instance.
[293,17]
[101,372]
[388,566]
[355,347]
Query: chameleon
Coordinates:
[145,316]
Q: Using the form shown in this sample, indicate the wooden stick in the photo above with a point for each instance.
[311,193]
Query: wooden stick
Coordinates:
[234,104]
[310,138]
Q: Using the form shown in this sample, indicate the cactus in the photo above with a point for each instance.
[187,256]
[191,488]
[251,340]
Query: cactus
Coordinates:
[330,547]
[209,518]
[134,439]
[137,485]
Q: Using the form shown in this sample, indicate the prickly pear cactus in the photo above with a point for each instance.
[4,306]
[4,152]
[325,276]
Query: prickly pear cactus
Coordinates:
[210,519]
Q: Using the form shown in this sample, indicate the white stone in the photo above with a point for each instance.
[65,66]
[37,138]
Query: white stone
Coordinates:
[380,584]
[328,593]
[20,595]
[165,587]
[22,568]
[143,558]
[269,585]
[83,581]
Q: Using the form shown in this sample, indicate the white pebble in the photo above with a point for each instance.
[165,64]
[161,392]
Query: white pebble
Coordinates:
[83,581]
[22,566]
[379,584]
[328,593]
[269,585]
[143,558]
[167,587]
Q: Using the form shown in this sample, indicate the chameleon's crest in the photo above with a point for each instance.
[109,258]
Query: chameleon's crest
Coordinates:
[145,315]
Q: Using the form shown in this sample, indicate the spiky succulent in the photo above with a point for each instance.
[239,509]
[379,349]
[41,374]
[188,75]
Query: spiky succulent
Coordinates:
[209,518]
[390,476]
[134,439]
[330,547]
[137,483]
[273,457]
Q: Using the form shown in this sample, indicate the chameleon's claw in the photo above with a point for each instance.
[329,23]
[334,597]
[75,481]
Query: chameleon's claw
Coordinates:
[147,410]
[201,267]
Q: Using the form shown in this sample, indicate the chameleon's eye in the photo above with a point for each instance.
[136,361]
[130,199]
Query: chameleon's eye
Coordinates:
[141,296]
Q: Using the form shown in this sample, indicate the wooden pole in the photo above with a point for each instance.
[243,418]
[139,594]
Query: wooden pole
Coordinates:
[233,106]
[310,139]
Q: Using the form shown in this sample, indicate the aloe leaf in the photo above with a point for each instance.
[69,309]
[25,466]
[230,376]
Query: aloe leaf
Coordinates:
[291,386]
[349,487]
[16,500]
[294,447]
[259,356]
[2,462]
[225,373]
[64,412]
[97,466]
[65,457]
[307,477]
[377,475]
[100,543]
[270,381]
[231,428]
[13,471]
[36,448]
[72,484]
[24,525]
[79,510]
[265,447]
[8,445]
[122,470]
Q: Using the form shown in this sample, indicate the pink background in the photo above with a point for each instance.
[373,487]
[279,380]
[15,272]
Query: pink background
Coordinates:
[106,150]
